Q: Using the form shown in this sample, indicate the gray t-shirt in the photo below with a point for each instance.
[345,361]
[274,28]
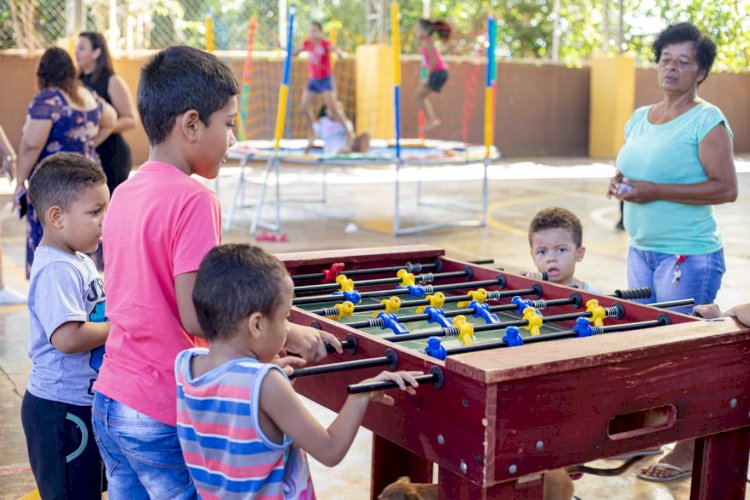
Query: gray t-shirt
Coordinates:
[63,288]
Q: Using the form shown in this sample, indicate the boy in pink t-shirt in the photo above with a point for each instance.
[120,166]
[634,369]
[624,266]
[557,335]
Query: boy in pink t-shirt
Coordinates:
[159,226]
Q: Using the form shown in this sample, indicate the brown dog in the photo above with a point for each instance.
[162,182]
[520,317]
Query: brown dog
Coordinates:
[557,486]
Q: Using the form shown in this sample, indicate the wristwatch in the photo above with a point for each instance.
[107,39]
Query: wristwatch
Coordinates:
[10,158]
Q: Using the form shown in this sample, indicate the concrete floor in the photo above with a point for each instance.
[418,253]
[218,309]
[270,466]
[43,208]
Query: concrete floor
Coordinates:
[357,214]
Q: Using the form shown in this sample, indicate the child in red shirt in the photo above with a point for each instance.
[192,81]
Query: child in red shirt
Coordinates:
[320,77]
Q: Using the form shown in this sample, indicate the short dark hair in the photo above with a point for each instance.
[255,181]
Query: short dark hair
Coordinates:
[60,179]
[179,79]
[233,282]
[705,48]
[103,64]
[317,25]
[557,218]
[56,69]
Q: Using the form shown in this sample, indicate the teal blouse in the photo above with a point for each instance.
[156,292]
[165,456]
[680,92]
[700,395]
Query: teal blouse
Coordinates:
[668,154]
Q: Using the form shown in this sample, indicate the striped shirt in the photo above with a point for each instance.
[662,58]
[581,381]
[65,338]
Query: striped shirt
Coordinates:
[224,447]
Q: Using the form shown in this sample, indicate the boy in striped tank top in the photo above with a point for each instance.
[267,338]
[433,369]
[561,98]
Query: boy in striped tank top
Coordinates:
[241,426]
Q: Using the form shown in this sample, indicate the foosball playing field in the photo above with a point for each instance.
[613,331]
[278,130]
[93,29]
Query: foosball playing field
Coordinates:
[519,376]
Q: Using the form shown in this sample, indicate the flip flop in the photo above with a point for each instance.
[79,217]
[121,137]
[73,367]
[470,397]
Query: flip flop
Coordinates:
[681,473]
[640,453]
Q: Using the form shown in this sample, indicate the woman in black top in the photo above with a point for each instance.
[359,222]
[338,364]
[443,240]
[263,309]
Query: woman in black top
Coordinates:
[96,72]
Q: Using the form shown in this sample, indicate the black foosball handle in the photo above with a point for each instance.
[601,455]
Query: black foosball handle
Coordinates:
[643,292]
[435,377]
[349,344]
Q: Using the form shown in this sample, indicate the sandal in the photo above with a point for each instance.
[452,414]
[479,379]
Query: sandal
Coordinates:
[681,473]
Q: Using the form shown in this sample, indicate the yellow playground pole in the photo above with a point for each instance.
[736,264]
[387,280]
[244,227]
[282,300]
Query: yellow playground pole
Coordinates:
[284,91]
[209,34]
[396,41]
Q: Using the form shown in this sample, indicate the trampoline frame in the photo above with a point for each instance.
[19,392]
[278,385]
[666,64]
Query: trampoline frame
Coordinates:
[273,171]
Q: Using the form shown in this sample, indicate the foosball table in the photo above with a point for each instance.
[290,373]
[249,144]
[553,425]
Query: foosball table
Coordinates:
[520,376]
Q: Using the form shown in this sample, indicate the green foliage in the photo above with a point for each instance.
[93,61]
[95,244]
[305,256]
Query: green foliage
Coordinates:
[525,27]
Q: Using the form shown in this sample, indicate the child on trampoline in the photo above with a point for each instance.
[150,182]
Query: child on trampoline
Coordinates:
[436,68]
[320,76]
[242,427]
[337,138]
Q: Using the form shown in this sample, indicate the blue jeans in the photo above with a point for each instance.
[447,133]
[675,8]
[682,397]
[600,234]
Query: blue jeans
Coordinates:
[700,276]
[142,456]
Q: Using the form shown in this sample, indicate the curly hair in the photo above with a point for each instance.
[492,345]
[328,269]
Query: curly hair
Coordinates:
[705,48]
[557,218]
[56,69]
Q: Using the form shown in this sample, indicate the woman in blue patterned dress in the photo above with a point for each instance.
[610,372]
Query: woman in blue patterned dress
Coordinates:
[63,117]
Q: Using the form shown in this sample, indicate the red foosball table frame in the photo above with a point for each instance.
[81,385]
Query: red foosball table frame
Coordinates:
[502,417]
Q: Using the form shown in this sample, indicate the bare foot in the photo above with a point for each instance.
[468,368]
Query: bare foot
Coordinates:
[431,125]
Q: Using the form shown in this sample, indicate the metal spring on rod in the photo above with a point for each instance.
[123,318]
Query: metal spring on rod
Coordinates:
[539,304]
[330,311]
[376,323]
[426,278]
[452,332]
[612,312]
[493,295]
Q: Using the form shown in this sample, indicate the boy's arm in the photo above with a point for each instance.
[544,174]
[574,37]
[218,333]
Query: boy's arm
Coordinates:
[283,407]
[183,287]
[79,336]
[310,343]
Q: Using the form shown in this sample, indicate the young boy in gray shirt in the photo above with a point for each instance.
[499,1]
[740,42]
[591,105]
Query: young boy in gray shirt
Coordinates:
[66,345]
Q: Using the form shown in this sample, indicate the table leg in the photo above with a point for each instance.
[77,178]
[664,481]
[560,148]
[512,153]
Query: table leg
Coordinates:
[390,461]
[720,466]
[451,487]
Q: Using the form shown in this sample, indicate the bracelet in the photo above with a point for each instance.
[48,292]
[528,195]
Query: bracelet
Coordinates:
[10,157]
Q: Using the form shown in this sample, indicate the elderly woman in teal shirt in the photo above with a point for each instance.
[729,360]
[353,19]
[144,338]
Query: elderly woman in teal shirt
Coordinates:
[676,163]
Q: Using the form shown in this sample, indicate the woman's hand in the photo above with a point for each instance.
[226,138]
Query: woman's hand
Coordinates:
[614,184]
[636,191]
[17,195]
[8,168]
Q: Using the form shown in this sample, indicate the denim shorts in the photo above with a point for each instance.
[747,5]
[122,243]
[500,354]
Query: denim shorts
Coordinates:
[142,456]
[320,85]
[699,276]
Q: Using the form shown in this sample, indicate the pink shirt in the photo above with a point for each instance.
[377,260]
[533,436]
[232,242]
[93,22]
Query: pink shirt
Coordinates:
[437,62]
[319,58]
[160,224]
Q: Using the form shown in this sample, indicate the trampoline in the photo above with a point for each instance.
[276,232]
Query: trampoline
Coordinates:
[414,152]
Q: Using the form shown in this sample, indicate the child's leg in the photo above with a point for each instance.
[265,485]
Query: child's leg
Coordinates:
[423,101]
[142,456]
[332,108]
[361,143]
[62,452]
[306,106]
[84,466]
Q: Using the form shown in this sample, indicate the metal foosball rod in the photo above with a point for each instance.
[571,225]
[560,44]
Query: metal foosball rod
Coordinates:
[421,290]
[662,320]
[615,311]
[421,279]
[536,290]
[435,377]
[390,360]
[338,268]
